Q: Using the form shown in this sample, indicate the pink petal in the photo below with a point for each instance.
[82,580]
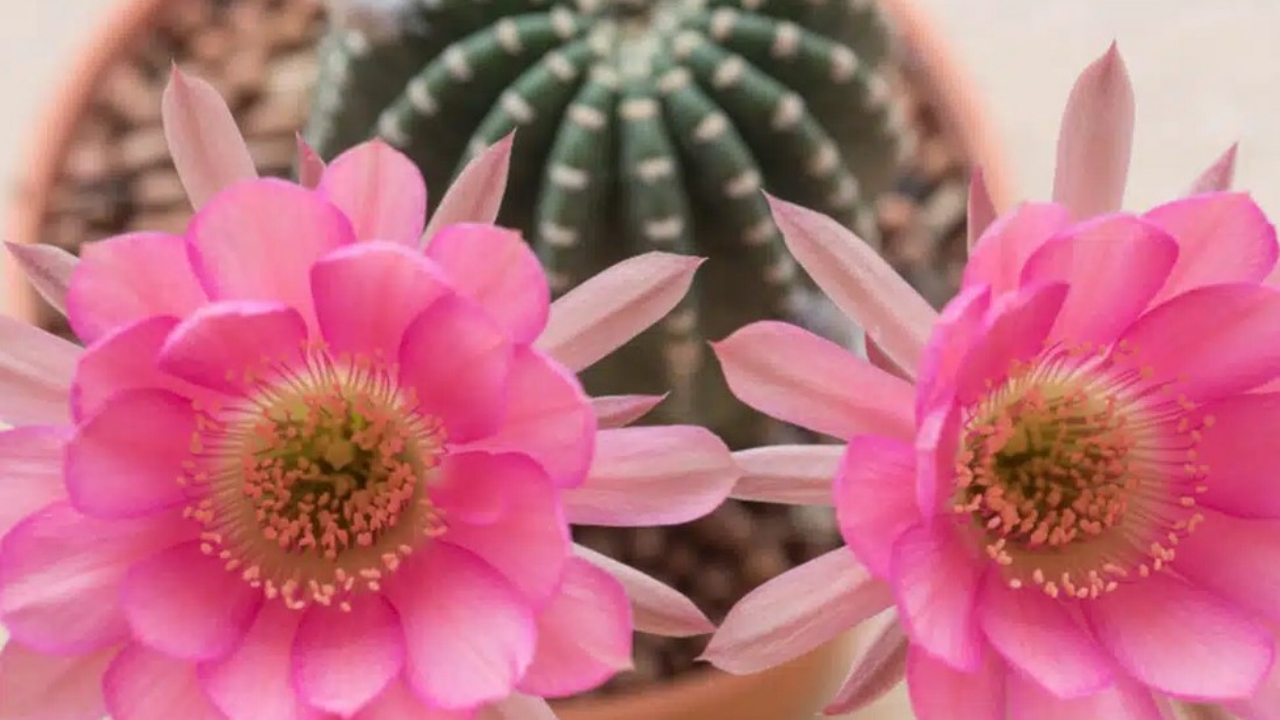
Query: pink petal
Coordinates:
[879,666]
[1223,339]
[858,281]
[1114,266]
[878,358]
[584,635]
[128,278]
[143,684]
[941,692]
[456,360]
[614,411]
[470,487]
[30,472]
[1016,330]
[548,417]
[518,707]
[254,681]
[497,269]
[367,294]
[1096,139]
[1262,705]
[656,608]
[1140,622]
[35,374]
[1218,176]
[793,375]
[603,313]
[224,346]
[380,191]
[125,359]
[1241,461]
[1222,238]
[311,166]
[343,660]
[661,475]
[47,687]
[1023,624]
[529,511]
[187,605]
[959,326]
[206,146]
[1233,559]
[1029,701]
[62,573]
[469,634]
[48,268]
[936,583]
[875,498]
[476,193]
[982,211]
[1000,253]
[796,612]
[258,240]
[787,474]
[398,702]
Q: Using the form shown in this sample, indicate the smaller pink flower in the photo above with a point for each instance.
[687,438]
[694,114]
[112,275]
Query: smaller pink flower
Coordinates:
[1056,505]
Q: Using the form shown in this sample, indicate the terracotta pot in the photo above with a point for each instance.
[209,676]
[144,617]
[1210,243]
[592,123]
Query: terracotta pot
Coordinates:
[795,691]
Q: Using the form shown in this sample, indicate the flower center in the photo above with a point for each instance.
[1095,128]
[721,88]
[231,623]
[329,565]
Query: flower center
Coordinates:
[311,483]
[1079,471]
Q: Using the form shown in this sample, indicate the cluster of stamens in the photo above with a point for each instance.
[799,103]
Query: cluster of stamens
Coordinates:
[310,485]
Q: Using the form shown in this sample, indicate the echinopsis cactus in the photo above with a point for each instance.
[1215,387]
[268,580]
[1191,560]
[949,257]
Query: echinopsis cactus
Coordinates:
[641,125]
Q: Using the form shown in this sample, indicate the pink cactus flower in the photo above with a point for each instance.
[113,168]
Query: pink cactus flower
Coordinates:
[307,469]
[1053,492]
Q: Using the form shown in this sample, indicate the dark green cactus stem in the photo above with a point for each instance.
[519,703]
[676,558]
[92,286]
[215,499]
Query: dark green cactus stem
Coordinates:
[640,125]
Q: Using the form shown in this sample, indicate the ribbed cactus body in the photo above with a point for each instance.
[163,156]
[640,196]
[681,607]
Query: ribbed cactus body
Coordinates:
[641,125]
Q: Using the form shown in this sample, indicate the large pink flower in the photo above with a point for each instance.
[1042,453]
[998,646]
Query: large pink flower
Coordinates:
[305,468]
[1061,509]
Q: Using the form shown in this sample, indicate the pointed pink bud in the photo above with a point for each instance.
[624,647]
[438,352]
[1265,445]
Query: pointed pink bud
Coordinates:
[310,164]
[206,146]
[49,270]
[1096,139]
[476,194]
[982,211]
[1218,176]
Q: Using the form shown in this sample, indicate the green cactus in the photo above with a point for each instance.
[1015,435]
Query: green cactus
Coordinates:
[641,125]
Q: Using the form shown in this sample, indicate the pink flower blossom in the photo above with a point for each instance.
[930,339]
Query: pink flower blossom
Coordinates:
[306,469]
[1053,493]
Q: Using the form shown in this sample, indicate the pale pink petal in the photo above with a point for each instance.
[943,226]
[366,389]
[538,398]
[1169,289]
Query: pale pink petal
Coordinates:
[367,294]
[1218,176]
[659,475]
[936,581]
[981,210]
[187,605]
[1113,265]
[1139,623]
[496,268]
[1236,560]
[380,191]
[48,268]
[518,707]
[47,687]
[879,666]
[36,368]
[614,411]
[1242,465]
[858,281]
[788,474]
[600,315]
[30,471]
[875,498]
[1096,139]
[258,240]
[941,692]
[1222,237]
[398,702]
[457,361]
[1016,330]
[793,375]
[460,657]
[143,684]
[476,193]
[877,357]
[126,460]
[796,612]
[548,417]
[656,608]
[224,345]
[584,635]
[1262,705]
[127,278]
[1020,624]
[123,360]
[1217,341]
[254,681]
[343,660]
[310,165]
[959,326]
[1000,253]
[62,574]
[206,146]
[1124,699]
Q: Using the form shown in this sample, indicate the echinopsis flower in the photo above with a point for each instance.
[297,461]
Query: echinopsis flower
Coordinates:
[1054,492]
[306,469]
